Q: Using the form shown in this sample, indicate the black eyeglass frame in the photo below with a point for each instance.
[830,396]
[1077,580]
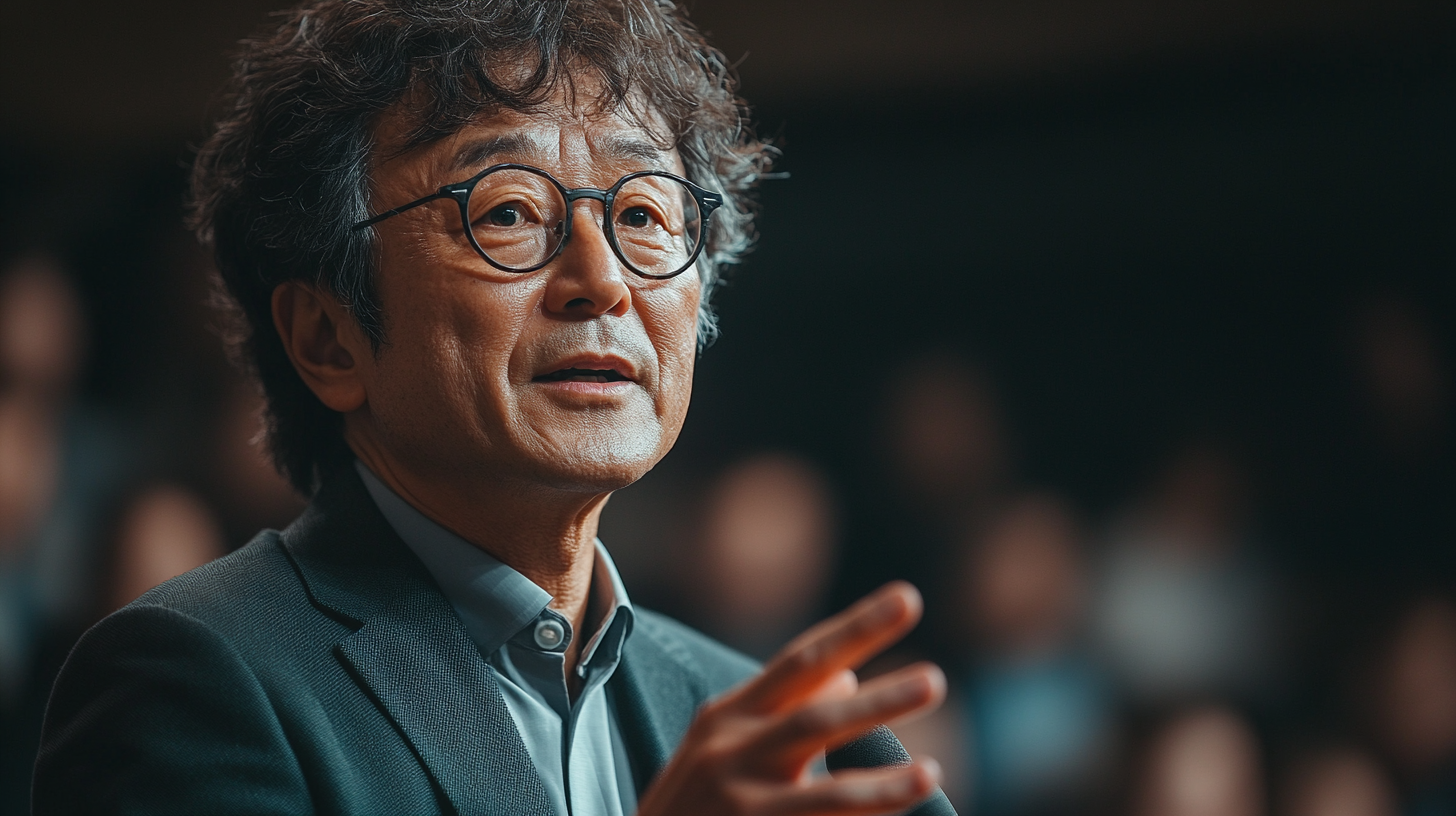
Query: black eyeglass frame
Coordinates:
[707,202]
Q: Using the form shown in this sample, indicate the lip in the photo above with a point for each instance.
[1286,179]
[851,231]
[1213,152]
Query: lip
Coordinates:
[618,366]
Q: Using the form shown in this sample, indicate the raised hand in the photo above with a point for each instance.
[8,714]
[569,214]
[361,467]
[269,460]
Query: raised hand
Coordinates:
[751,750]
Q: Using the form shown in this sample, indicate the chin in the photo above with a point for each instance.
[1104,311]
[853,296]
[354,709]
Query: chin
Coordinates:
[597,464]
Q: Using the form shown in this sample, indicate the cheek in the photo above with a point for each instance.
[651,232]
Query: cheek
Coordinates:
[420,391]
[449,340]
[669,314]
[477,329]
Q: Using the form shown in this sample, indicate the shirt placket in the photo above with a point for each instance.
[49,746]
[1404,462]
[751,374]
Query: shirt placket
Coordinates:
[539,654]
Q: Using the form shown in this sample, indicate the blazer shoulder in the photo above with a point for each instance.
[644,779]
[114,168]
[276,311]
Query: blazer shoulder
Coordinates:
[720,666]
[241,596]
[155,712]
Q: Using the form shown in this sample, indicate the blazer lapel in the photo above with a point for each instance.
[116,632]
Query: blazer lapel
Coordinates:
[656,693]
[412,654]
[446,702]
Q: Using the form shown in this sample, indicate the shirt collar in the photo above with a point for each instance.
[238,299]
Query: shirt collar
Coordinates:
[493,600]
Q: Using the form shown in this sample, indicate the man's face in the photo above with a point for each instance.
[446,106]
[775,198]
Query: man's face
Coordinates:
[477,378]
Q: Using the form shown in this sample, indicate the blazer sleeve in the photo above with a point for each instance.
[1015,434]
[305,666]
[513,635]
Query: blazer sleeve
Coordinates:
[155,713]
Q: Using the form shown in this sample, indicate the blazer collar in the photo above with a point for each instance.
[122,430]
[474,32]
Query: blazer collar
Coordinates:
[411,652]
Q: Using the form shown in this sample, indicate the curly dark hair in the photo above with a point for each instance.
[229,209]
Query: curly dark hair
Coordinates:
[277,186]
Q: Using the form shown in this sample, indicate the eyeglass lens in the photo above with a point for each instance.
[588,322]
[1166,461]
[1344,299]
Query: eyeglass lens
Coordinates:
[518,220]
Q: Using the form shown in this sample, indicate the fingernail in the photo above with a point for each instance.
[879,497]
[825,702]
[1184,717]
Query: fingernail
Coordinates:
[932,768]
[937,680]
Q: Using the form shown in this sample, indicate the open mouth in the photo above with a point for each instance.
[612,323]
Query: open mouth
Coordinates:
[586,375]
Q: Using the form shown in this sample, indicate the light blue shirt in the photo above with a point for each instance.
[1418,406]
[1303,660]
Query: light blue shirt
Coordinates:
[577,747]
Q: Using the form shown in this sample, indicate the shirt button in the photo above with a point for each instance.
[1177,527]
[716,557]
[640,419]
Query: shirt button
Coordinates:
[549,633]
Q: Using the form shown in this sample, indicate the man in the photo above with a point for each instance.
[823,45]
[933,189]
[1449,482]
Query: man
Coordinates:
[471,245]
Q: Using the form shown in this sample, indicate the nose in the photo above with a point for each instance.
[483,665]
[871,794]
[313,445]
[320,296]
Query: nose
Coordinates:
[587,280]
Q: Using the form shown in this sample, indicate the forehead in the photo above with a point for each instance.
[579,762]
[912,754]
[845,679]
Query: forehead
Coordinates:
[559,136]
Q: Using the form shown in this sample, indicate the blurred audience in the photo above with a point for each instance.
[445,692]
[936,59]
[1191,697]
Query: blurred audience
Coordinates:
[1041,717]
[77,541]
[1204,762]
[56,459]
[59,460]
[1185,608]
[765,553]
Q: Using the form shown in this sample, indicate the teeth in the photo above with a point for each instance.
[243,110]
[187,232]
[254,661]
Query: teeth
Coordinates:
[584,375]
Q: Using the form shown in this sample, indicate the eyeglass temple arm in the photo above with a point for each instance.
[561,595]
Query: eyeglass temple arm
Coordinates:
[444,192]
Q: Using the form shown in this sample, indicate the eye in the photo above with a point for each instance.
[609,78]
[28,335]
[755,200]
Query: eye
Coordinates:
[505,215]
[636,217]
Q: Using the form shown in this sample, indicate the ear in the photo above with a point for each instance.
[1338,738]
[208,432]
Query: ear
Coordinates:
[324,342]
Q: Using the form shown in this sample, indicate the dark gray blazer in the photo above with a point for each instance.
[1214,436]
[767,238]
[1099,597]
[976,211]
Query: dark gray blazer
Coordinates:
[320,670]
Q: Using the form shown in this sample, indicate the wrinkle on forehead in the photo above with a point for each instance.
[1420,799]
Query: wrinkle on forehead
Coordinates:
[578,99]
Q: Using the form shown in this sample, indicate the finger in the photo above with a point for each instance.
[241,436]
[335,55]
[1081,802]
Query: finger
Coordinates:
[829,723]
[844,641]
[841,685]
[938,694]
[861,792]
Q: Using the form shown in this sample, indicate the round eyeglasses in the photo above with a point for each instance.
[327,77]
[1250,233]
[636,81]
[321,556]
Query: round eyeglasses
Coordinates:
[518,218]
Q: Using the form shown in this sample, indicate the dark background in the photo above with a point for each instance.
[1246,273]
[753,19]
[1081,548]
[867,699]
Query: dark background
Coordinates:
[1143,220]
[1137,214]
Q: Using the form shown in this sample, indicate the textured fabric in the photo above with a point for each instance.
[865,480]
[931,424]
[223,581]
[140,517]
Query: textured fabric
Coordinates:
[574,744]
[321,670]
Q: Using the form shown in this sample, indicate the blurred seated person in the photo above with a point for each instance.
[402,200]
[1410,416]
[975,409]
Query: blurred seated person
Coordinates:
[1184,607]
[1040,711]
[163,532]
[150,536]
[42,340]
[1411,703]
[1337,781]
[472,244]
[760,571]
[947,461]
[244,489]
[1396,496]
[945,437]
[1202,762]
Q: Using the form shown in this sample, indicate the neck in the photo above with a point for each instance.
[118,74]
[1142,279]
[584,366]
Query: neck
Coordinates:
[547,536]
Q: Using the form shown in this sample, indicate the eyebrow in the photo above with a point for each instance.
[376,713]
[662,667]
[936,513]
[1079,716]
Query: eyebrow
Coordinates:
[622,147]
